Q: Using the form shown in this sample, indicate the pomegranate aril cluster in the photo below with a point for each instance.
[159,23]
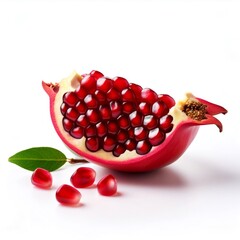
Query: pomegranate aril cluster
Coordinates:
[83,177]
[115,115]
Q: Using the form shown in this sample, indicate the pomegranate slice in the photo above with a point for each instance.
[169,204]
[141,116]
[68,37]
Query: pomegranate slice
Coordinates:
[122,126]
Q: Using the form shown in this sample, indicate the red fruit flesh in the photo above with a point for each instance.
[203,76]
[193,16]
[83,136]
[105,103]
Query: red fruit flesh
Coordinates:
[107,186]
[68,195]
[129,128]
[83,177]
[42,178]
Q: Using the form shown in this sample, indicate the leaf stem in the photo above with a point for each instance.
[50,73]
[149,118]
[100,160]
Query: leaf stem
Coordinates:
[73,160]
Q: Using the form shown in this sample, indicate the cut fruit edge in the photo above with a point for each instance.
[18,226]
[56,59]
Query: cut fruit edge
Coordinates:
[175,144]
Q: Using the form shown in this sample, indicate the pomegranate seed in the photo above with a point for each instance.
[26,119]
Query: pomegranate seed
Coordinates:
[70,98]
[150,122]
[113,95]
[140,133]
[122,136]
[77,132]
[68,195]
[115,108]
[90,131]
[104,84]
[113,127]
[136,89]
[81,92]
[105,112]
[100,97]
[64,107]
[92,144]
[130,144]
[101,129]
[109,143]
[107,186]
[90,101]
[67,124]
[156,136]
[143,147]
[148,96]
[159,109]
[166,123]
[81,107]
[120,83]
[144,108]
[83,177]
[127,95]
[72,114]
[131,133]
[118,150]
[82,121]
[93,116]
[128,107]
[136,119]
[169,101]
[123,122]
[89,83]
[96,74]
[41,178]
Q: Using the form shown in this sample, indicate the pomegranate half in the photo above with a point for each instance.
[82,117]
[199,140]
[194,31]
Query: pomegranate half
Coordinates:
[121,125]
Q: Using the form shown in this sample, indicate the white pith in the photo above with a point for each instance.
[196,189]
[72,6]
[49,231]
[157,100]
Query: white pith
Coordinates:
[70,84]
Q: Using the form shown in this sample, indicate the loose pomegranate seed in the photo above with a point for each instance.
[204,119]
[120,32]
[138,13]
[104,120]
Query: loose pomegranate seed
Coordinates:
[107,186]
[68,195]
[92,144]
[83,177]
[41,178]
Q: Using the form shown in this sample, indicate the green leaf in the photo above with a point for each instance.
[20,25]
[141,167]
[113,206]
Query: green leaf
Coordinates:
[39,157]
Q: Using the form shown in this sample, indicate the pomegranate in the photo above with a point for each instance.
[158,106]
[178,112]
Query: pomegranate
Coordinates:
[121,125]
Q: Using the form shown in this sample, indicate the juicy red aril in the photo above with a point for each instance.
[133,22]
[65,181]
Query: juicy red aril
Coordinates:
[104,84]
[96,74]
[92,144]
[148,96]
[89,83]
[41,178]
[90,101]
[115,115]
[70,98]
[143,147]
[156,136]
[120,83]
[68,195]
[107,186]
[83,177]
[77,132]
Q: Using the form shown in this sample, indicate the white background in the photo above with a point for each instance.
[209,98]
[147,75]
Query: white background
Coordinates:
[170,46]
